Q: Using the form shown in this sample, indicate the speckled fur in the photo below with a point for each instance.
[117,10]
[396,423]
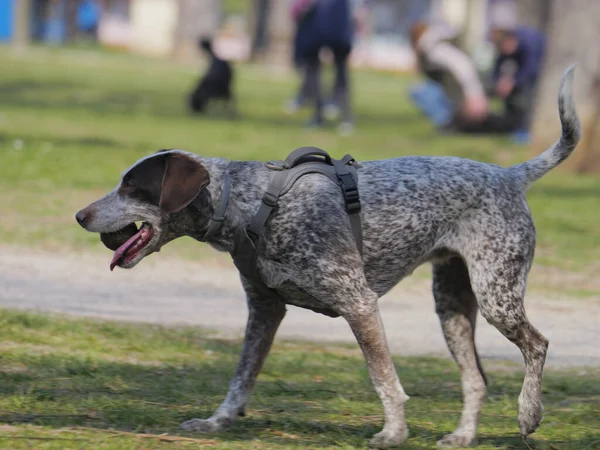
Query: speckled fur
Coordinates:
[470,219]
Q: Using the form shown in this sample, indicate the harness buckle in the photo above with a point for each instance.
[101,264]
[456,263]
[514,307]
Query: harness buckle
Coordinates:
[276,165]
[270,200]
[353,207]
[350,193]
[252,236]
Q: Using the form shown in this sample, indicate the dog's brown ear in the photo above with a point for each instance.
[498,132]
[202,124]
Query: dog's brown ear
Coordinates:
[183,180]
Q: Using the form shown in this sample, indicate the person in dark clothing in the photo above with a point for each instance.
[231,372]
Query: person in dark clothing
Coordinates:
[324,24]
[520,53]
[516,71]
[519,58]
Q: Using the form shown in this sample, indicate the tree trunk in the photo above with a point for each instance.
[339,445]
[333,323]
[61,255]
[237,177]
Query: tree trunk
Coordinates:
[196,19]
[280,30]
[259,26]
[71,20]
[22,21]
[474,24]
[572,36]
[534,13]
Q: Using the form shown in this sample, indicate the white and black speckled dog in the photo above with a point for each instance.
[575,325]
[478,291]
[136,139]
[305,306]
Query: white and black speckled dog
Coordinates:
[469,219]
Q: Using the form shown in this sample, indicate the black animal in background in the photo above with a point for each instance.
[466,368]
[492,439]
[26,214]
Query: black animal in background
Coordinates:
[216,84]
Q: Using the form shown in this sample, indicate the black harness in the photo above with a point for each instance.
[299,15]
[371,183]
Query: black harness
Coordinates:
[300,162]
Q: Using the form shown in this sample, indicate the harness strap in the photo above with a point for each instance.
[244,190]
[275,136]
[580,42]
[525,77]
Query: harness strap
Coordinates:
[247,238]
[300,162]
[269,202]
[351,197]
[301,153]
[219,213]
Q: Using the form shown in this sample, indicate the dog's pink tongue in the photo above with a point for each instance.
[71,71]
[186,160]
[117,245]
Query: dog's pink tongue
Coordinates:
[123,248]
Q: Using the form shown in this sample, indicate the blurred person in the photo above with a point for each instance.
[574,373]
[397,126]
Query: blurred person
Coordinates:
[453,95]
[299,8]
[324,24]
[520,54]
[88,18]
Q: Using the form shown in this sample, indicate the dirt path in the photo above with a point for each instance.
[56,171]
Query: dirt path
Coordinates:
[172,291]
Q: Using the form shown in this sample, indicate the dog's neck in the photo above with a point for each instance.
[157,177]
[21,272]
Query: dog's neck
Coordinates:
[249,180]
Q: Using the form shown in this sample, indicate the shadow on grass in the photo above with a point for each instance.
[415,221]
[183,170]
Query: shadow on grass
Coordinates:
[289,405]
[60,143]
[52,94]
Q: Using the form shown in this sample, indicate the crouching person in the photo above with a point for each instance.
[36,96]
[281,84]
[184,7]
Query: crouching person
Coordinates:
[453,96]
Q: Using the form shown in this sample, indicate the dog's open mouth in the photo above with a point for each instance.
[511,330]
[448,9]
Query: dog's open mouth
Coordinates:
[127,242]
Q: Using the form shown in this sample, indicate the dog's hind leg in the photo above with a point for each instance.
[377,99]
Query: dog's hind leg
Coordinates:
[498,273]
[265,315]
[456,307]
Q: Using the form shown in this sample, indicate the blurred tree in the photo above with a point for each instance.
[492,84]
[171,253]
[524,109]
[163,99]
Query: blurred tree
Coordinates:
[22,21]
[71,20]
[196,19]
[272,30]
[573,33]
[474,25]
[259,15]
[279,32]
[534,13]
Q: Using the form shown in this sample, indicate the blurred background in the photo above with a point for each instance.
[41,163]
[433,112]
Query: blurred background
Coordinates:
[87,87]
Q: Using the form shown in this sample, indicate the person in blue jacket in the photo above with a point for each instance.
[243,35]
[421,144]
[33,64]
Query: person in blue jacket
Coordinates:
[324,24]
[88,18]
[517,70]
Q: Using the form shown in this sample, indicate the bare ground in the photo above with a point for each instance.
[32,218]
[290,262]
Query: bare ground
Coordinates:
[173,291]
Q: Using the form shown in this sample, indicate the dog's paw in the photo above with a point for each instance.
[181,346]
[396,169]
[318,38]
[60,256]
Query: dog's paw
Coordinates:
[530,414]
[202,425]
[456,440]
[385,439]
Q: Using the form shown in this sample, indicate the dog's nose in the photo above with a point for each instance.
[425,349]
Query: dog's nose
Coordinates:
[81,217]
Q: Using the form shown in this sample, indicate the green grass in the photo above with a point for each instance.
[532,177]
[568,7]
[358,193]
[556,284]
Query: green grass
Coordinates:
[71,121]
[234,7]
[71,384]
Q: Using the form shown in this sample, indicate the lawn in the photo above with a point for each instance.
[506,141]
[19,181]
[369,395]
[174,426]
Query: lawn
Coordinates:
[72,384]
[72,120]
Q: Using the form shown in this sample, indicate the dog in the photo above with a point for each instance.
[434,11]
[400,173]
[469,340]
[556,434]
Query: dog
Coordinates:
[469,219]
[216,84]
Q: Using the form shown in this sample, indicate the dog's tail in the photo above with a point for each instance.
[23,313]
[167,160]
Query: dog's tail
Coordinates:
[536,168]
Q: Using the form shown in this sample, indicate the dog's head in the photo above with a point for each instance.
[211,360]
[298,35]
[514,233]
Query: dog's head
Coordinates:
[156,191]
[205,43]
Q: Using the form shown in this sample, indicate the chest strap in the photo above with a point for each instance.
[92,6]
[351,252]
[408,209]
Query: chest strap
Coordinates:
[300,162]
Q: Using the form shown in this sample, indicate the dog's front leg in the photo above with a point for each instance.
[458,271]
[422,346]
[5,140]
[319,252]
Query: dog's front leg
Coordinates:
[368,329]
[263,321]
